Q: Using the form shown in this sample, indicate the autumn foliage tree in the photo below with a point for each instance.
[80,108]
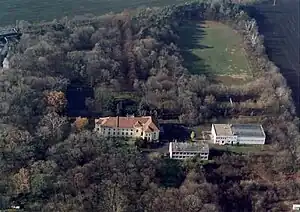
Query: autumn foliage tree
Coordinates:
[46,166]
[56,100]
[80,123]
[21,181]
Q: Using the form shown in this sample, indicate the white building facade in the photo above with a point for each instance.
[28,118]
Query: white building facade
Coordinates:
[5,63]
[182,151]
[296,207]
[237,134]
[131,127]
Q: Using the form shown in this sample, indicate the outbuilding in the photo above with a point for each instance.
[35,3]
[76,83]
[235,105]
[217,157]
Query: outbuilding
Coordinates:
[183,150]
[238,134]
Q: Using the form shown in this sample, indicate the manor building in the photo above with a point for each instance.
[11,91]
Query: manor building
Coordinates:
[238,134]
[145,127]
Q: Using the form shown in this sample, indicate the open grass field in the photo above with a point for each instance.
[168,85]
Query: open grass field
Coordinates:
[37,10]
[213,48]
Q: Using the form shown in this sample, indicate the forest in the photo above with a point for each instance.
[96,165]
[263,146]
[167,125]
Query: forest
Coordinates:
[48,163]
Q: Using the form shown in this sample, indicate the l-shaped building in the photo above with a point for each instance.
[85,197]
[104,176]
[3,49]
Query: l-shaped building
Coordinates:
[238,134]
[145,127]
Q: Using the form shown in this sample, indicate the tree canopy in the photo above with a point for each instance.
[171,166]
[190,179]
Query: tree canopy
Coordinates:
[134,58]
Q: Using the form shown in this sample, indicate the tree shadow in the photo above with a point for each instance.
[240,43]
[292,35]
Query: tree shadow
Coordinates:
[77,92]
[170,173]
[280,42]
[191,33]
[292,77]
[216,153]
[175,131]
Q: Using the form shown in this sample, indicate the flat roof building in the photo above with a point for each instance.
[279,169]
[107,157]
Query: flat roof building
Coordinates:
[238,133]
[182,150]
[296,207]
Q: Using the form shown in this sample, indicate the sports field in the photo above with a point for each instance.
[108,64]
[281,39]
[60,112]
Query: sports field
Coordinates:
[214,49]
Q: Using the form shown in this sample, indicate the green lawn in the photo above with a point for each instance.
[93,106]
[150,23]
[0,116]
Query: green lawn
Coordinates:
[214,49]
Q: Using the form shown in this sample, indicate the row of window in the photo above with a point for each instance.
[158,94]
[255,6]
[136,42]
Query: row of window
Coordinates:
[228,141]
[190,153]
[224,137]
[183,157]
[131,131]
[222,141]
[114,129]
[118,133]
[244,141]
[125,133]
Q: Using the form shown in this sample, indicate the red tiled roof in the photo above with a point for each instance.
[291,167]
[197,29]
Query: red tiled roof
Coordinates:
[146,122]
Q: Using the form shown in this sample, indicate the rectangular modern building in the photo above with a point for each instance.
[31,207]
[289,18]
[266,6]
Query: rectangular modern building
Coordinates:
[181,150]
[144,127]
[238,134]
[296,207]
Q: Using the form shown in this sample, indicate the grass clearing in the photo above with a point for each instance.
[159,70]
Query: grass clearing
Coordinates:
[216,50]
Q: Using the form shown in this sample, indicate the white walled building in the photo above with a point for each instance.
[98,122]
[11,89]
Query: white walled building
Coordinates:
[132,127]
[181,151]
[5,63]
[296,207]
[238,133]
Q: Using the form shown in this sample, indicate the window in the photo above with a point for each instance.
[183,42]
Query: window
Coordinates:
[130,133]
[126,133]
[108,133]
[122,133]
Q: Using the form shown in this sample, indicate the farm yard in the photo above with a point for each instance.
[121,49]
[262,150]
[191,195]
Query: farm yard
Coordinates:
[214,49]
[280,27]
